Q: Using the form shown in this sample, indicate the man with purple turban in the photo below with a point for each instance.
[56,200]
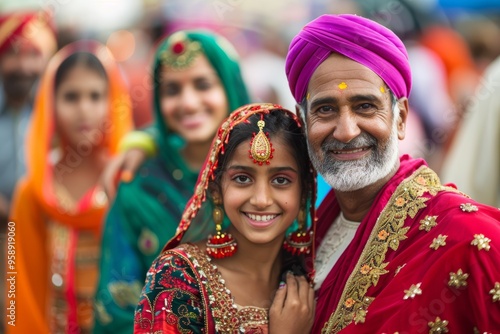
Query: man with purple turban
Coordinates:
[397,251]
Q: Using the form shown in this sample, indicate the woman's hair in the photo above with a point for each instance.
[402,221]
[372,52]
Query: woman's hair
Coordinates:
[85,59]
[279,125]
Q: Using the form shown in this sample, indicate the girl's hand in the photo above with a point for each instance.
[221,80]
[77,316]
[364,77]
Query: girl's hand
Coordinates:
[292,310]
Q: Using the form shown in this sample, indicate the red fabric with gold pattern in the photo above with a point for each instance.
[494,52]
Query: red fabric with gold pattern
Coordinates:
[423,260]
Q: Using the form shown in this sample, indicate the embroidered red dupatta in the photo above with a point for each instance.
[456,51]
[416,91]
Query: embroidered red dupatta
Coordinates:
[424,260]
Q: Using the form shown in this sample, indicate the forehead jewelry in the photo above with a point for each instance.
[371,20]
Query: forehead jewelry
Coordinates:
[261,148]
[181,52]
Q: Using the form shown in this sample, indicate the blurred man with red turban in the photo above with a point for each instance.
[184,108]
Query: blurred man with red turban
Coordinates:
[27,41]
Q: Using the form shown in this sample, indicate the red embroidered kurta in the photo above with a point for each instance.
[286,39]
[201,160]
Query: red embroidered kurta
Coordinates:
[425,259]
[185,293]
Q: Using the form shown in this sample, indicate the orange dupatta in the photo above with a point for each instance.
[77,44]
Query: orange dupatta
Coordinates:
[34,199]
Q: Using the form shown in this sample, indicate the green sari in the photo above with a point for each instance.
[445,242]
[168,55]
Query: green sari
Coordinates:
[148,209]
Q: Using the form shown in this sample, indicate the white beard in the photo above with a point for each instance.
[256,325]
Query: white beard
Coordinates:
[356,174]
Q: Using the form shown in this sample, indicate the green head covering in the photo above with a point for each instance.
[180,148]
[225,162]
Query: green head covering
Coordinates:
[147,210]
[187,44]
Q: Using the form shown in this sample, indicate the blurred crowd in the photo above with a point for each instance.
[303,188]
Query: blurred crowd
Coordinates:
[454,117]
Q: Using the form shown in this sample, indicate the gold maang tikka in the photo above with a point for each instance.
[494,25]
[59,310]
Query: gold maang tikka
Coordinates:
[181,51]
[261,149]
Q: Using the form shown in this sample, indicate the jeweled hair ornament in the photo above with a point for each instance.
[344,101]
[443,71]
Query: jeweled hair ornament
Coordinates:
[261,148]
[181,51]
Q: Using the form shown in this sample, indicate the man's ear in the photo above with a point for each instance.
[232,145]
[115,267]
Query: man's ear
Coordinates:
[299,111]
[403,108]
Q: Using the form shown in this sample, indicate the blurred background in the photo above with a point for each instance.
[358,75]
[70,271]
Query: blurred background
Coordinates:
[450,44]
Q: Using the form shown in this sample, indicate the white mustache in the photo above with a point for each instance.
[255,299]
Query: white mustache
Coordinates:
[363,139]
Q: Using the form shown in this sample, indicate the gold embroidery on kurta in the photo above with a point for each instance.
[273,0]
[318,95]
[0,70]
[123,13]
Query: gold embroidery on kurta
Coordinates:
[468,207]
[427,223]
[389,230]
[438,242]
[398,269]
[481,242]
[458,279]
[495,292]
[413,291]
[438,326]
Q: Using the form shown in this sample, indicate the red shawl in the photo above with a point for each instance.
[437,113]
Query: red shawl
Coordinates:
[424,259]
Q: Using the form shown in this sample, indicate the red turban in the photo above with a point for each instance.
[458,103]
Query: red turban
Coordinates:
[34,28]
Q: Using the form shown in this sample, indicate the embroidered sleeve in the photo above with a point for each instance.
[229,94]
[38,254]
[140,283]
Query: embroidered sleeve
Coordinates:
[170,301]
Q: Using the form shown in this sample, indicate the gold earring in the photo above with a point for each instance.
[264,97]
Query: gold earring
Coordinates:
[222,244]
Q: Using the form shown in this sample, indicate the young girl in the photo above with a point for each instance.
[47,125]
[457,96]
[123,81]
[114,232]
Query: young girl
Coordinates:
[81,112]
[197,82]
[258,178]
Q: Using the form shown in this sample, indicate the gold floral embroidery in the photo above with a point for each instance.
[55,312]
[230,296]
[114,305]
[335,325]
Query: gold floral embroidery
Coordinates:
[359,314]
[349,303]
[495,292]
[382,235]
[398,269]
[458,279]
[438,242]
[365,269]
[413,291]
[468,207]
[438,326]
[481,242]
[420,180]
[400,202]
[427,223]
[405,202]
[229,318]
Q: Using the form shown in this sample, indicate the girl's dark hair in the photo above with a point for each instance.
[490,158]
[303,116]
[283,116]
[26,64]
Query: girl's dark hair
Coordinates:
[279,124]
[79,59]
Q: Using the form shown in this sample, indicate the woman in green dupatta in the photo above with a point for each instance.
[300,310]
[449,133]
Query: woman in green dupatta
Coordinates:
[197,82]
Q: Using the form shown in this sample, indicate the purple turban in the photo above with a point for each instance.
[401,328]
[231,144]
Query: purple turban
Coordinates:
[355,37]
